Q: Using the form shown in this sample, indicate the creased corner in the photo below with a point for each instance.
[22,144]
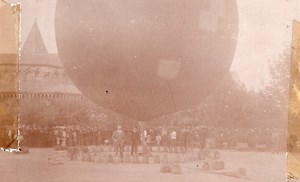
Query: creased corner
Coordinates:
[293,155]
[9,74]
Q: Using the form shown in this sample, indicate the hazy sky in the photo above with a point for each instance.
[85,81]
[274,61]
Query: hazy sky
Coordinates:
[264,29]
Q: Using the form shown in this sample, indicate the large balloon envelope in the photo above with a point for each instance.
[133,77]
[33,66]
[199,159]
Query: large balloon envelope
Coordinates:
[146,58]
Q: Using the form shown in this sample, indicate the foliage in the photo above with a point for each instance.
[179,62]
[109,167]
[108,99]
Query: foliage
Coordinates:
[233,105]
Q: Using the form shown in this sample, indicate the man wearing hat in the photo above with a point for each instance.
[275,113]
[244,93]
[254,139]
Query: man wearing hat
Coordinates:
[134,140]
[119,138]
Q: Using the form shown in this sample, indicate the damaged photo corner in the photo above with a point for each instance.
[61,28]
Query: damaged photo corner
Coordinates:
[9,62]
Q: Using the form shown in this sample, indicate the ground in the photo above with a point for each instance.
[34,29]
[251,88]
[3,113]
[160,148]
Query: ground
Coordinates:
[32,167]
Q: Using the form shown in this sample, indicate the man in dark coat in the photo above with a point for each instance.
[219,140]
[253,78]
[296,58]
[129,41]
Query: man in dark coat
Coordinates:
[119,138]
[134,140]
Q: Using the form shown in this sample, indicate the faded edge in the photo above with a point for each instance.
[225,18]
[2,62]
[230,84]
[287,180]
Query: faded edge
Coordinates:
[9,75]
[293,155]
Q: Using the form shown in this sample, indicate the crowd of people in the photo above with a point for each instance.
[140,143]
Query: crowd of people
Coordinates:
[186,136]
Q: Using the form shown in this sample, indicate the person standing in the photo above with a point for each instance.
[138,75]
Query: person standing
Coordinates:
[69,136]
[99,136]
[164,138]
[185,137]
[173,137]
[57,137]
[134,141]
[158,137]
[119,138]
[74,137]
[203,135]
[275,140]
[63,136]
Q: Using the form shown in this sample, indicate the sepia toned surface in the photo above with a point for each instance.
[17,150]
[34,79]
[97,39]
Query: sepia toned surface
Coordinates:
[9,78]
[160,57]
[153,91]
[293,167]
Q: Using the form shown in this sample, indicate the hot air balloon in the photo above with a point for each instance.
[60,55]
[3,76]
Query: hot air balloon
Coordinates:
[146,58]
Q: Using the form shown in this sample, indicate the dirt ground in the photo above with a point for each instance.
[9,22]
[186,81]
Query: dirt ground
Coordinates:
[34,167]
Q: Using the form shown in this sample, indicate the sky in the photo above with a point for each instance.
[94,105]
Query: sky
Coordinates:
[264,30]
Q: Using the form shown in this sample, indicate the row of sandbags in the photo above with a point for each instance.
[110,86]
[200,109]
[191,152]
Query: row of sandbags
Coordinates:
[210,161]
[213,165]
[142,149]
[109,158]
[171,165]
[187,157]
[83,154]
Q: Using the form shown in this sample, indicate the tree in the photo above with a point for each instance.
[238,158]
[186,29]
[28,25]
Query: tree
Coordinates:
[276,92]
